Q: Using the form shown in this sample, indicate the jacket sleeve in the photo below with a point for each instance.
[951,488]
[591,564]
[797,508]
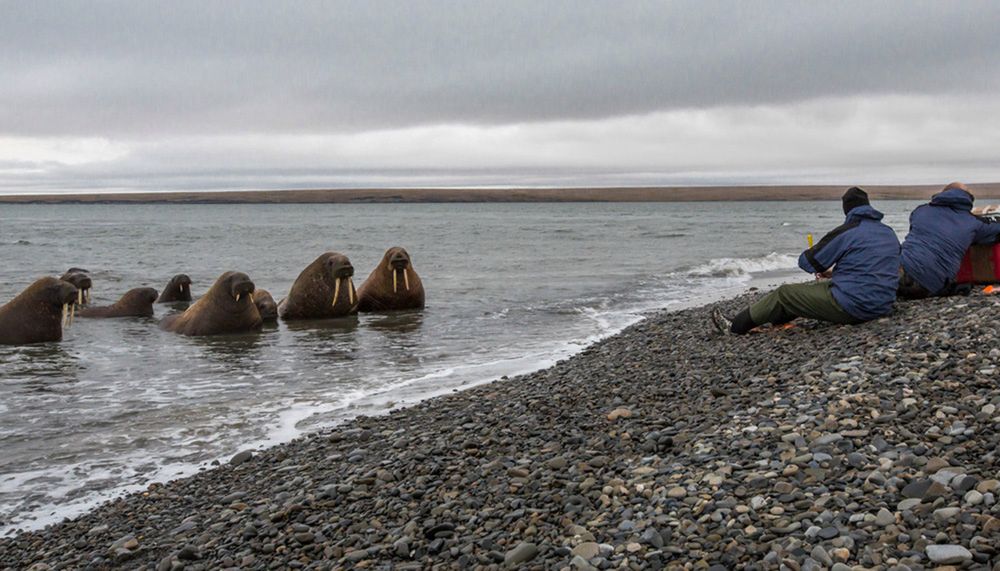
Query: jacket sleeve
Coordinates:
[827,251]
[987,233]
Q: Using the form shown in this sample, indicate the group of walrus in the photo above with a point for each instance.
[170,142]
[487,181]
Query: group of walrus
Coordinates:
[233,304]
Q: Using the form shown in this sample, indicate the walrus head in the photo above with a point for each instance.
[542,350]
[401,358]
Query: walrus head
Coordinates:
[398,262]
[266,306]
[57,294]
[80,279]
[140,298]
[338,272]
[240,288]
[178,289]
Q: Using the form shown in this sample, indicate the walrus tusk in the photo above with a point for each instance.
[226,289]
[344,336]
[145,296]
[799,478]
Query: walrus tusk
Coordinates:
[72,314]
[62,323]
[336,292]
[251,299]
[86,296]
[79,296]
[237,298]
[406,279]
[395,288]
[350,291]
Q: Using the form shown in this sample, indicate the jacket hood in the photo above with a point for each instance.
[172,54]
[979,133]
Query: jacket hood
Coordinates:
[953,198]
[864,211]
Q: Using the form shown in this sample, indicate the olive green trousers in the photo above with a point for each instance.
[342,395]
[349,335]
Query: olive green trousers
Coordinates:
[813,300]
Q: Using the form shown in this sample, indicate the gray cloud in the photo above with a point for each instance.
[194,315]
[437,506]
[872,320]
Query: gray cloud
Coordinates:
[138,68]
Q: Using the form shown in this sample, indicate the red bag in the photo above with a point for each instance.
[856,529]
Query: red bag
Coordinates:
[981,265]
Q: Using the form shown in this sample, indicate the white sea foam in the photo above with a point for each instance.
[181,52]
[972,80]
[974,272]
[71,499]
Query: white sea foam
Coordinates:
[744,267]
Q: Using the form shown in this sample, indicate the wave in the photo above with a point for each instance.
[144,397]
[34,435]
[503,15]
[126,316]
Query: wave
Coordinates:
[739,267]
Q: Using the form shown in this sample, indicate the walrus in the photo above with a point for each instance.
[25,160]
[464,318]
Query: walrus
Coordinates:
[178,289]
[136,302]
[393,285]
[266,306]
[323,290]
[80,278]
[227,307]
[38,314]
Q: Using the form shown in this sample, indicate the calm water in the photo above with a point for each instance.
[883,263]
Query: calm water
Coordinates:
[510,288]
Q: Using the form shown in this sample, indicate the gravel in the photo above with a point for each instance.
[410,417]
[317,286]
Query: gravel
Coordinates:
[666,446]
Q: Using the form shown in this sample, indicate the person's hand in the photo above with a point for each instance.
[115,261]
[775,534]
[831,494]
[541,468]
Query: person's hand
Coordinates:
[825,275]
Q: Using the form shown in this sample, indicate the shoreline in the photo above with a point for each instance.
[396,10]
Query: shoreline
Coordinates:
[499,195]
[662,443]
[388,399]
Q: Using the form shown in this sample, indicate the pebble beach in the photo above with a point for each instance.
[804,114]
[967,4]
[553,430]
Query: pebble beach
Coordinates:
[666,446]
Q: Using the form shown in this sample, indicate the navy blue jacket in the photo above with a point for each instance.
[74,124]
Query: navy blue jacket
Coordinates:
[866,255]
[940,233]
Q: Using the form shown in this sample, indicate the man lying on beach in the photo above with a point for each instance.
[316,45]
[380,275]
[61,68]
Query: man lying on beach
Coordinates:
[864,255]
[940,233]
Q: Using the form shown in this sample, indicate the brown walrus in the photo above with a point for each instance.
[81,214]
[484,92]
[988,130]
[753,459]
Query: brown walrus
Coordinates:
[323,290]
[38,314]
[394,284]
[266,306]
[80,278]
[227,307]
[136,302]
[178,289]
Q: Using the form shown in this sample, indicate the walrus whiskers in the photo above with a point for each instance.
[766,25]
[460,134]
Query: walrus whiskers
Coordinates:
[406,279]
[336,292]
[395,288]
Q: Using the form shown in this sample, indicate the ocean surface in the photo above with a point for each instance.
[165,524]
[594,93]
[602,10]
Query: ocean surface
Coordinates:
[510,288]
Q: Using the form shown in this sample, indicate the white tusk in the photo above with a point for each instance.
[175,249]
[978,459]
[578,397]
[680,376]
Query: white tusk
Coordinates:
[251,299]
[395,286]
[79,296]
[87,295]
[63,320]
[72,313]
[354,292]
[406,279]
[237,297]
[336,292]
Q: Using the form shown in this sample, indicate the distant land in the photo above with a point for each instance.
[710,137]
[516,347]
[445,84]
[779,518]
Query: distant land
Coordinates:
[428,195]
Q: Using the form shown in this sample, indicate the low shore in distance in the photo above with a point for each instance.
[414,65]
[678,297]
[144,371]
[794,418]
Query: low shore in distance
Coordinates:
[439,195]
[664,446]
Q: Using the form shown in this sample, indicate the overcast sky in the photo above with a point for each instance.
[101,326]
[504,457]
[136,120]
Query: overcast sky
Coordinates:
[245,95]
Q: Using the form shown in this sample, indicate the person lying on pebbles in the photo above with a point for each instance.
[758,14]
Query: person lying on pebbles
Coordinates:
[941,231]
[864,255]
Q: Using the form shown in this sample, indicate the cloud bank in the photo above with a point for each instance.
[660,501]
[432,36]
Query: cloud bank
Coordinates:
[196,95]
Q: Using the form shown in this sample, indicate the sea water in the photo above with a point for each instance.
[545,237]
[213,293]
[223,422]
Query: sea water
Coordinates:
[510,288]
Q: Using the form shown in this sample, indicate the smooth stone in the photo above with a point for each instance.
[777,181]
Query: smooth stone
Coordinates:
[884,518]
[588,550]
[520,554]
[241,457]
[828,532]
[945,554]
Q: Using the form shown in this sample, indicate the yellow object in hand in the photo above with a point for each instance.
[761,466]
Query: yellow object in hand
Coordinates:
[809,240]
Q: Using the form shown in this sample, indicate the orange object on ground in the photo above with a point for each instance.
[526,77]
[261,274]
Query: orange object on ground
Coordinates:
[988,290]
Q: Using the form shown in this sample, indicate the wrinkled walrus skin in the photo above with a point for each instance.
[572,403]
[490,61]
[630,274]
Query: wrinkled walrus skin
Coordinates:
[36,315]
[393,285]
[226,308]
[136,302]
[323,290]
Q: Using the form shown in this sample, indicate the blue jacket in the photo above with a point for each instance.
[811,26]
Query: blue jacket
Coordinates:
[940,233]
[866,255]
